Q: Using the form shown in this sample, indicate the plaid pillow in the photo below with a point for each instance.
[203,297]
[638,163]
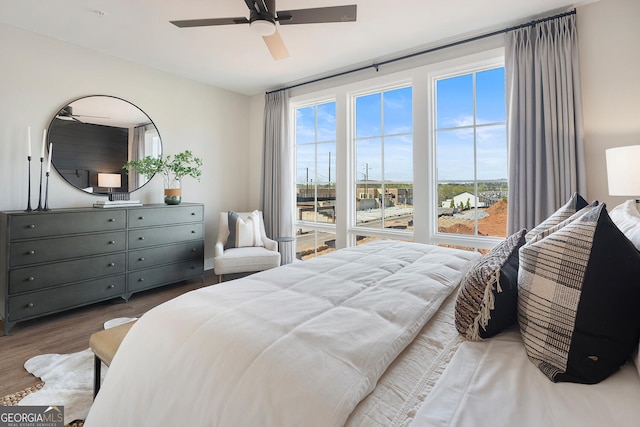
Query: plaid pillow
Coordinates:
[575,203]
[578,290]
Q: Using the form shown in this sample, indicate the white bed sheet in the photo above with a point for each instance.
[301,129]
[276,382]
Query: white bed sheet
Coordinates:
[492,383]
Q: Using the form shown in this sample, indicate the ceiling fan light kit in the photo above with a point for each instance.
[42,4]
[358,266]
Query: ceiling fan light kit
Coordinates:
[263,16]
[262,27]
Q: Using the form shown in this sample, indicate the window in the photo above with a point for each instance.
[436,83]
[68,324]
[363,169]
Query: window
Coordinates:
[471,147]
[384,159]
[456,193]
[315,142]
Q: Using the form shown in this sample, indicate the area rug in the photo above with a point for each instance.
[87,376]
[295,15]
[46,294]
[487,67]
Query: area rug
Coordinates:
[68,380]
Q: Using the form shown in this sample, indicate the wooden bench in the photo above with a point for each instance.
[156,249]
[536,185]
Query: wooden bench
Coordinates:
[104,345]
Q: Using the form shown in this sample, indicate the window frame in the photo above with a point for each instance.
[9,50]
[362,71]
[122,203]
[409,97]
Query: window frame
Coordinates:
[315,225]
[353,229]
[424,160]
[453,69]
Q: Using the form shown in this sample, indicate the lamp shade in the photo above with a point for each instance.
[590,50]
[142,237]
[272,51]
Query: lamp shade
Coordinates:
[623,170]
[109,180]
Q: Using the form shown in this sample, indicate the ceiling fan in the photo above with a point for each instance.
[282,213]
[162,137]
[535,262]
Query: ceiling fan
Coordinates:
[263,17]
[67,114]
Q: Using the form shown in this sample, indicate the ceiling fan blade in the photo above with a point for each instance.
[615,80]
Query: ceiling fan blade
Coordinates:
[276,46]
[209,22]
[318,15]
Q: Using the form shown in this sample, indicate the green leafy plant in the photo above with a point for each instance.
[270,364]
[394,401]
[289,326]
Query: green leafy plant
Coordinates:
[172,167]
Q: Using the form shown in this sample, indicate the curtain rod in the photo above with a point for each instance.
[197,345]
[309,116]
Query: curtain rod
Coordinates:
[377,65]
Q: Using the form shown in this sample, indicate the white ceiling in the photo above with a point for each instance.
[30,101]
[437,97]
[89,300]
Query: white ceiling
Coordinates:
[233,58]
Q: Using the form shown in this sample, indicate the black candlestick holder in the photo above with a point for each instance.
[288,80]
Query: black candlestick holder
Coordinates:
[29,187]
[46,194]
[39,208]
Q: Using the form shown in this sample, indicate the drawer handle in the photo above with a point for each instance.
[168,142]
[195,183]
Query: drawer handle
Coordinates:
[32,226]
[112,286]
[31,278]
[30,305]
[193,214]
[112,242]
[141,259]
[112,220]
[111,264]
[193,231]
[141,279]
[141,217]
[194,250]
[141,238]
[31,252]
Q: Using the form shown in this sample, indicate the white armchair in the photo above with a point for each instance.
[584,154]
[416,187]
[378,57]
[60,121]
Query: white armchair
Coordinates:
[243,259]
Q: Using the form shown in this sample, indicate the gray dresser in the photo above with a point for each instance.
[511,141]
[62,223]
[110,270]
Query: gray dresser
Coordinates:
[65,258]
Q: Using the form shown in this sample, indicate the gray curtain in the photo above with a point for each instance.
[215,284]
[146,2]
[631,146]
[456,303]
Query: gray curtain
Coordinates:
[277,173]
[544,109]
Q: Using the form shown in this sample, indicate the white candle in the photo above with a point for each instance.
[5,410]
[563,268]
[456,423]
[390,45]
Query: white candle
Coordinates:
[29,141]
[44,142]
[50,155]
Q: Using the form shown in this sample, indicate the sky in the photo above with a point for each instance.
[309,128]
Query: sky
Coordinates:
[384,128]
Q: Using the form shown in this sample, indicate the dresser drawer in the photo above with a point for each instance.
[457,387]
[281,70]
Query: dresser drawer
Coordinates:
[43,276]
[164,216]
[49,301]
[143,279]
[146,237]
[144,258]
[37,251]
[54,224]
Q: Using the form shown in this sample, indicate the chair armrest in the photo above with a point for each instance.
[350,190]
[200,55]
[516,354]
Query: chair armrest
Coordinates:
[272,245]
[218,249]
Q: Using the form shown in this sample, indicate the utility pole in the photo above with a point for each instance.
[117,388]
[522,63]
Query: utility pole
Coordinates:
[366,180]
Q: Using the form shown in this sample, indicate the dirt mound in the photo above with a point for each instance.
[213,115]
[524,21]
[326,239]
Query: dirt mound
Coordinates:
[496,223]
[498,208]
[459,228]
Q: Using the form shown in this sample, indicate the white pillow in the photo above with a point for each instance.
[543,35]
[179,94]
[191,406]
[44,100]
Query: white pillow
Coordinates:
[627,218]
[244,232]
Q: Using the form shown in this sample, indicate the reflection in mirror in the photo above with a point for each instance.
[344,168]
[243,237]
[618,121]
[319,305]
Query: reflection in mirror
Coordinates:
[99,134]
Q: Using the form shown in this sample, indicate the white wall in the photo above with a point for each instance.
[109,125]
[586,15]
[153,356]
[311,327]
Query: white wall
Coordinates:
[40,75]
[609,35]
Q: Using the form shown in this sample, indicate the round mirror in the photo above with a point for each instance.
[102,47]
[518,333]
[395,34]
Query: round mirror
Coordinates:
[94,136]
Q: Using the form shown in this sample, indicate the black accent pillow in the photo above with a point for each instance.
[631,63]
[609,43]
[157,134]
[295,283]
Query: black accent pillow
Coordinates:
[487,300]
[578,293]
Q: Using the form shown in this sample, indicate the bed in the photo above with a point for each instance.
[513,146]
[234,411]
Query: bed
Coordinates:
[355,337]
[366,336]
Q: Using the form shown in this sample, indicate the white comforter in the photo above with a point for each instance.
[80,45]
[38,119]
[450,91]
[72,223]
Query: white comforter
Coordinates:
[298,345]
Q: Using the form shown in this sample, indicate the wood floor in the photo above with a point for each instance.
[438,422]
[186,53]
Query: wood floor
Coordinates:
[69,332]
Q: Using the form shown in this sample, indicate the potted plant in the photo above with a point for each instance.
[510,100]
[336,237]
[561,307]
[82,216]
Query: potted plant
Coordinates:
[173,168]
